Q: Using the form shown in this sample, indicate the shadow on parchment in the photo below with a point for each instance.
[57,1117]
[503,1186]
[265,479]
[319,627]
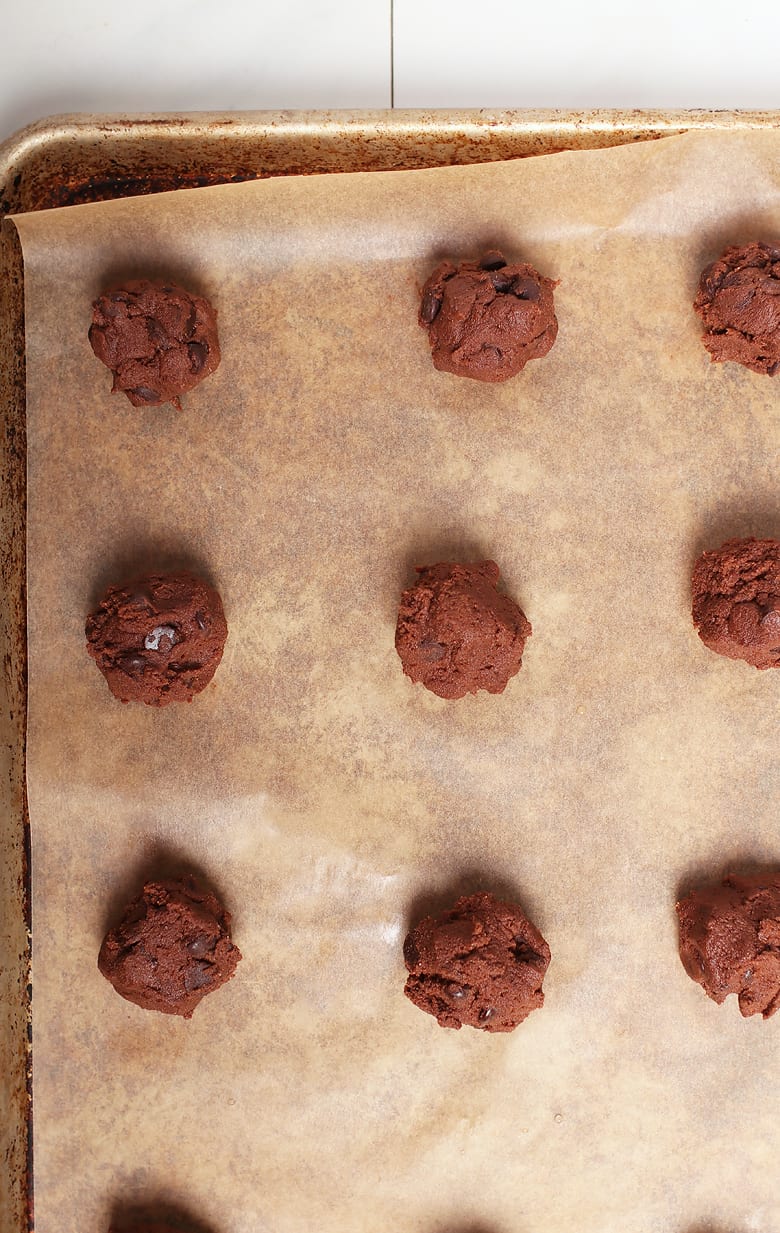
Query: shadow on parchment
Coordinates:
[708,1228]
[133,561]
[435,900]
[156,862]
[473,248]
[157,1215]
[118,273]
[740,518]
[740,862]
[427,546]
[465,1228]
[731,231]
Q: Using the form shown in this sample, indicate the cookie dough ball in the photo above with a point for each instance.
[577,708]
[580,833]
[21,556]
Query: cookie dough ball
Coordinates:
[487,319]
[736,600]
[456,633]
[171,947]
[739,302]
[158,340]
[730,941]
[482,964]
[158,639]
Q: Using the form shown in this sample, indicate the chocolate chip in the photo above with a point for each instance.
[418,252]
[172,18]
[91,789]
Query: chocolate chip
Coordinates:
[501,283]
[525,288]
[488,1013]
[119,297]
[143,392]
[156,332]
[140,599]
[197,975]
[200,946]
[132,664]
[161,638]
[493,260]
[430,307]
[773,369]
[524,952]
[198,353]
[200,620]
[432,650]
[456,992]
[411,953]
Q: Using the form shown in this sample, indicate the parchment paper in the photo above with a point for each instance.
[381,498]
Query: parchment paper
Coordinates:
[330,801]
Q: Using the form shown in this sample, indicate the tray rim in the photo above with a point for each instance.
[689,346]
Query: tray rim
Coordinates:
[19,147]
[74,134]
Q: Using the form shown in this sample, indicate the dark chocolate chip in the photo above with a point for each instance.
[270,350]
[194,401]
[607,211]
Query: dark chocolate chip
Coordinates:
[773,369]
[131,665]
[201,945]
[198,975]
[524,952]
[411,953]
[487,1013]
[456,992]
[143,392]
[493,260]
[431,304]
[525,288]
[140,599]
[198,353]
[156,332]
[501,283]
[119,297]
[200,620]
[431,650]
[161,638]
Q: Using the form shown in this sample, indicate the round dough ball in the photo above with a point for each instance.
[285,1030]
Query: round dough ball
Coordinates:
[481,964]
[171,947]
[455,632]
[739,302]
[158,639]
[730,941]
[487,319]
[158,340]
[736,600]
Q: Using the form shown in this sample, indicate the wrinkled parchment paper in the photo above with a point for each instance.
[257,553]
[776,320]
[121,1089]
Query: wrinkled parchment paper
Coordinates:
[329,800]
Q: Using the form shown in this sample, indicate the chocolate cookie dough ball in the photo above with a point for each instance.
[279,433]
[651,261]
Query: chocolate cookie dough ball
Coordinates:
[158,340]
[158,639]
[171,947]
[730,941]
[487,319]
[739,302]
[736,600]
[456,633]
[481,964]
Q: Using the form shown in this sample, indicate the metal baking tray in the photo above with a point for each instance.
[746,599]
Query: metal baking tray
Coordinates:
[72,159]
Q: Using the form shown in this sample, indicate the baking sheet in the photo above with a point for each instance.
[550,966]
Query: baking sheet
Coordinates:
[332,802]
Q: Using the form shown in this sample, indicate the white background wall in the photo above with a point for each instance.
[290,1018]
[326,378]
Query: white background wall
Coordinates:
[158,55]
